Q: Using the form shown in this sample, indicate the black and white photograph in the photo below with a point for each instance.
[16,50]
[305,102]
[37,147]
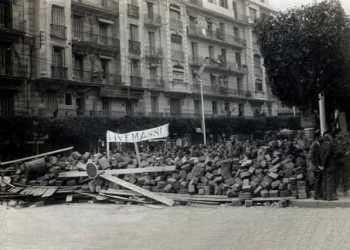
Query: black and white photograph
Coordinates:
[174,124]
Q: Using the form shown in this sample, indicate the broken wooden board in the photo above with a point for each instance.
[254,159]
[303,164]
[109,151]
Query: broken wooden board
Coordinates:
[137,189]
[36,156]
[77,174]
[122,198]
[49,192]
[174,196]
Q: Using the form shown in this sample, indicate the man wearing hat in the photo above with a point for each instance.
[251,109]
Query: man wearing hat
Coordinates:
[315,171]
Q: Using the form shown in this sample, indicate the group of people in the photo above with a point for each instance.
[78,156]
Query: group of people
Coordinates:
[328,165]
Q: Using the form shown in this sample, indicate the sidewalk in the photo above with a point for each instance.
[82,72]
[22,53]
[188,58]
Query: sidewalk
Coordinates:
[342,202]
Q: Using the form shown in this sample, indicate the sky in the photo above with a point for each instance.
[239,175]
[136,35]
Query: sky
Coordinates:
[285,4]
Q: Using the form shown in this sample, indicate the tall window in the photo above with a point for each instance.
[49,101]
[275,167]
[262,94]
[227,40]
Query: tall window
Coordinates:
[175,14]
[57,15]
[223,56]
[197,107]
[209,27]
[152,41]
[5,15]
[234,7]
[153,73]
[77,27]
[236,32]
[78,65]
[133,32]
[253,14]
[58,56]
[135,67]
[194,48]
[154,104]
[214,107]
[259,85]
[176,42]
[193,21]
[257,61]
[239,84]
[105,68]
[223,3]
[211,52]
[238,59]
[103,28]
[150,11]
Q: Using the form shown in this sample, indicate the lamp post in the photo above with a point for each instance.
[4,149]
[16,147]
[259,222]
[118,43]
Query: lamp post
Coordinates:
[200,71]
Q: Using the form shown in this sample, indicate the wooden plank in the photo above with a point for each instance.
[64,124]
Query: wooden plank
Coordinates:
[97,197]
[76,174]
[261,199]
[49,192]
[174,196]
[36,156]
[40,191]
[123,198]
[137,189]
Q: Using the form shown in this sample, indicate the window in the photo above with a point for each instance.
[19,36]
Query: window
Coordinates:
[240,109]
[133,32]
[239,84]
[175,15]
[236,32]
[211,52]
[5,15]
[68,99]
[209,27]
[78,65]
[223,56]
[212,79]
[259,85]
[193,21]
[194,50]
[77,27]
[152,41]
[135,67]
[223,3]
[197,107]
[257,61]
[178,76]
[175,106]
[105,68]
[57,15]
[227,106]
[103,28]
[176,42]
[150,11]
[238,59]
[153,73]
[58,56]
[214,105]
[234,7]
[154,104]
[105,106]
[253,14]
[7,103]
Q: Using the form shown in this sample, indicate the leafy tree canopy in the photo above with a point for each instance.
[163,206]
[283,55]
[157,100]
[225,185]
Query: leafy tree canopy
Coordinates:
[306,51]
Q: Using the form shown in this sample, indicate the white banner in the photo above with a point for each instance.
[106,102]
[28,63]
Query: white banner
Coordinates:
[138,136]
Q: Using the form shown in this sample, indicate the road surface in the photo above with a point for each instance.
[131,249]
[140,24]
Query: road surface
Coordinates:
[100,226]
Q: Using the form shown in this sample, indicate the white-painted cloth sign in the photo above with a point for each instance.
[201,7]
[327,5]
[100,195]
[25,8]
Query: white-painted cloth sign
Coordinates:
[138,136]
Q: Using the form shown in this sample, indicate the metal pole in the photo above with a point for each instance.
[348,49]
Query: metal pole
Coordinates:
[322,111]
[203,115]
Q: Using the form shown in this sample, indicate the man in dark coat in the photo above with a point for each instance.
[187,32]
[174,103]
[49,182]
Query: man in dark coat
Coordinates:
[329,166]
[314,170]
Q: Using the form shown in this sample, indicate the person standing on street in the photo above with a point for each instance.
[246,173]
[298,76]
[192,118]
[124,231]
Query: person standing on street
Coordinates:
[314,169]
[329,166]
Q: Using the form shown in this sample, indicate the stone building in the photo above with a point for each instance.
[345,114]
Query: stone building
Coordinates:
[132,57]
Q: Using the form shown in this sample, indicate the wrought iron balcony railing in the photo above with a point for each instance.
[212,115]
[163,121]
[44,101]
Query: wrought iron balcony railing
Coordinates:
[220,90]
[96,77]
[59,31]
[178,55]
[13,69]
[152,20]
[59,72]
[108,6]
[176,24]
[136,80]
[133,11]
[97,39]
[219,64]
[134,47]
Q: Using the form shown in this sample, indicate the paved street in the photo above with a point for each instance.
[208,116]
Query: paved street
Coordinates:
[92,226]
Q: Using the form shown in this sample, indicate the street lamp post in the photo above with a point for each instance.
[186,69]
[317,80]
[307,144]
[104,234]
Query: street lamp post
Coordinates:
[200,71]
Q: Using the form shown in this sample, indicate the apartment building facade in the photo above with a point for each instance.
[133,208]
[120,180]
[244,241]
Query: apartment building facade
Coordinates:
[137,57]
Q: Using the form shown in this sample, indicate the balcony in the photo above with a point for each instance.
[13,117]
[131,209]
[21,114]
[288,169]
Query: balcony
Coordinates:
[136,80]
[101,6]
[177,55]
[153,54]
[176,24]
[217,36]
[134,47]
[219,65]
[58,31]
[12,22]
[96,41]
[155,84]
[133,11]
[196,2]
[152,20]
[220,90]
[13,70]
[96,77]
[59,72]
